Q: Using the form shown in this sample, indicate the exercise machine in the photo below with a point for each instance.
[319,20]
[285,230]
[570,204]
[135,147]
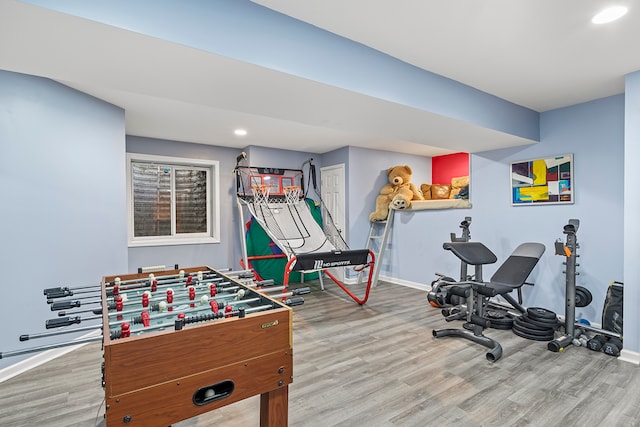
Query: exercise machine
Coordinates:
[510,276]
[439,295]
[576,296]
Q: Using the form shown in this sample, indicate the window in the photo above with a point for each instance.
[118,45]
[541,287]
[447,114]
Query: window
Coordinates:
[172,201]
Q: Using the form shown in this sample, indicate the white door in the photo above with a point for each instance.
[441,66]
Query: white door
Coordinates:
[332,191]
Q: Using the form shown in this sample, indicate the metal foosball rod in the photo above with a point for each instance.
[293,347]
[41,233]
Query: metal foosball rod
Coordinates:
[119,285]
[76,303]
[162,304]
[48,347]
[73,313]
[67,304]
[67,291]
[179,323]
[191,293]
[182,319]
[181,275]
[27,337]
[62,292]
[69,320]
[154,285]
[72,320]
[215,304]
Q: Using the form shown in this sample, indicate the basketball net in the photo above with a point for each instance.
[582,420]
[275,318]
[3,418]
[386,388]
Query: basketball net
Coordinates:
[292,194]
[260,194]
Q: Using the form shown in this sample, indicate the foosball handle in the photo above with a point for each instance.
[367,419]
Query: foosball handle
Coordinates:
[65,305]
[63,321]
[291,302]
[52,293]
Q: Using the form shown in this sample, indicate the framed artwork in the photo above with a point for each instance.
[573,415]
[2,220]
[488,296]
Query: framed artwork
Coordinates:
[543,181]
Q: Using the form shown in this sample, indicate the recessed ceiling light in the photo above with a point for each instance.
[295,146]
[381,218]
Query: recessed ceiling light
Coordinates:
[240,132]
[609,14]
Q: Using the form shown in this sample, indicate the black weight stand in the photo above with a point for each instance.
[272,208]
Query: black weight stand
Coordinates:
[569,250]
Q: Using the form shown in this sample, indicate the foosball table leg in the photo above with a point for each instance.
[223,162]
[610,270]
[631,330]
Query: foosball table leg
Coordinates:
[274,408]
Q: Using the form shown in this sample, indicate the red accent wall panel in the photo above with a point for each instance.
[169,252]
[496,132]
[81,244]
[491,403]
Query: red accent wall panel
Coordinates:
[448,166]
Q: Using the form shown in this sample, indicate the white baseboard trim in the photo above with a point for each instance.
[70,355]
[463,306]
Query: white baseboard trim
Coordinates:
[39,359]
[630,356]
[415,285]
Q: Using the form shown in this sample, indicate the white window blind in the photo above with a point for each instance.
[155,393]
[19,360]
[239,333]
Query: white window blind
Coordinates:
[172,200]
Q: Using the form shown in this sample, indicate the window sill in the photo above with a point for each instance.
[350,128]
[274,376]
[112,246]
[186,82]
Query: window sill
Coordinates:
[173,241]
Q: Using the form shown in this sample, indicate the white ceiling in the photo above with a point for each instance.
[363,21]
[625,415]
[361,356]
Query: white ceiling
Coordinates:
[541,54]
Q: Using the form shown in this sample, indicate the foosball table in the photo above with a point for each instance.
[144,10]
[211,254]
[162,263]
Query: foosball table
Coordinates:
[178,344]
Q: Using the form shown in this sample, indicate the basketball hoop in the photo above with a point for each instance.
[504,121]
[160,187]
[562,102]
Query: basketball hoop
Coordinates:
[260,194]
[292,194]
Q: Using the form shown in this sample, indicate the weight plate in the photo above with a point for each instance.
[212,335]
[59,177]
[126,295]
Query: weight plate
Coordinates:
[583,296]
[541,323]
[539,313]
[527,330]
[526,325]
[499,319]
[496,314]
[533,337]
[438,297]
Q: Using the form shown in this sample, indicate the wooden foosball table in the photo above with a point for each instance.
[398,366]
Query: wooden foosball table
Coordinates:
[181,343]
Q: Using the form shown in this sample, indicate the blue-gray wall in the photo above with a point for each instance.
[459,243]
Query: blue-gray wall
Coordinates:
[63,180]
[219,255]
[594,133]
[62,186]
[631,247]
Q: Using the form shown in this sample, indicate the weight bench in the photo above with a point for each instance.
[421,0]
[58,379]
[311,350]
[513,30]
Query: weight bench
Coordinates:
[510,276]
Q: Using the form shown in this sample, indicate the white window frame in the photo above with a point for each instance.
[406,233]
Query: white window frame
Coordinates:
[213,208]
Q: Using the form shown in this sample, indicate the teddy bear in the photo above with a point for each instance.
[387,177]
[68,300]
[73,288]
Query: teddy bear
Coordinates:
[398,193]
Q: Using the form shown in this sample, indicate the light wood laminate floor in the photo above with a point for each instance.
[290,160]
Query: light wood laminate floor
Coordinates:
[376,365]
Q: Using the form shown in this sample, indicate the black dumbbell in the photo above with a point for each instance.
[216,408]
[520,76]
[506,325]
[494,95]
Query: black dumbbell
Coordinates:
[612,347]
[596,342]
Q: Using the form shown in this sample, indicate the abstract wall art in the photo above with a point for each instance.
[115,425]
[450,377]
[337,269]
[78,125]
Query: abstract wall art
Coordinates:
[543,181]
